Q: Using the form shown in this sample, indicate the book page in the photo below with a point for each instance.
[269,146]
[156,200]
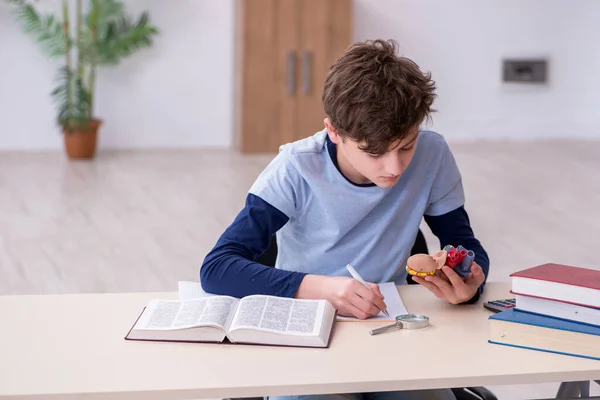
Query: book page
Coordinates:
[173,314]
[395,305]
[281,315]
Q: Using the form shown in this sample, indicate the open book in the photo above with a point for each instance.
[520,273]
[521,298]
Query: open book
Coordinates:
[258,319]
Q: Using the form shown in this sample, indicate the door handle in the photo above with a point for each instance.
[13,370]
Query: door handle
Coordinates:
[306,71]
[291,72]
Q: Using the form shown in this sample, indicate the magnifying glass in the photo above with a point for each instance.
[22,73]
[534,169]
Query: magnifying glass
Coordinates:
[404,321]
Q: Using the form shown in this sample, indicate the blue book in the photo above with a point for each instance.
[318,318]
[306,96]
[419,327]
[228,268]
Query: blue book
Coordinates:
[543,333]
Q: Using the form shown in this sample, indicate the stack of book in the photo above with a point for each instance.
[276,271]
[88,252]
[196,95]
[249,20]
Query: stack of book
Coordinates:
[557,309]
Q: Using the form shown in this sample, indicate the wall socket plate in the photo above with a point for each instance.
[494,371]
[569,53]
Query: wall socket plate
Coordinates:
[528,70]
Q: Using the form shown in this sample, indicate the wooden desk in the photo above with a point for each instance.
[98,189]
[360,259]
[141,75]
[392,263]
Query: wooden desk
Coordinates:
[72,346]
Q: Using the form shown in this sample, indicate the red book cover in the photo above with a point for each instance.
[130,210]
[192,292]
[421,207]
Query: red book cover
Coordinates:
[564,274]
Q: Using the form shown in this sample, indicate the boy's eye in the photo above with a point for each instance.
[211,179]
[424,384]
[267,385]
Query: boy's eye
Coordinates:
[406,148]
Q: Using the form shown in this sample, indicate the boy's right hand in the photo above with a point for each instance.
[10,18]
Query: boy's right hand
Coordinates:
[347,295]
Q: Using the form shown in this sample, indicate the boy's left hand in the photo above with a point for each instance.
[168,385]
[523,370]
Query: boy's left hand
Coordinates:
[454,290]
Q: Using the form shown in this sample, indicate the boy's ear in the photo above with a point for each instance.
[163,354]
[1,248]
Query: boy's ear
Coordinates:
[332,132]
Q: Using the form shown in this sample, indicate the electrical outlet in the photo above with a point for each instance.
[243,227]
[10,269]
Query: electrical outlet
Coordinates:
[525,70]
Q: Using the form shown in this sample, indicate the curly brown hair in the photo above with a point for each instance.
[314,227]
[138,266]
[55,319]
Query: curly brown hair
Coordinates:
[371,95]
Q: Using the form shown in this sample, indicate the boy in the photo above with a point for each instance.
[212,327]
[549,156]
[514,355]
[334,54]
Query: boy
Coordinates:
[353,193]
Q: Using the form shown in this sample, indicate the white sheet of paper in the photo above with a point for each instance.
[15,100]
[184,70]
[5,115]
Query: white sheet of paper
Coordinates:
[395,305]
[191,290]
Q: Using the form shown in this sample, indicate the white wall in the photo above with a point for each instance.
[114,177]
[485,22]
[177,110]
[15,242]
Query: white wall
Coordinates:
[176,94]
[180,92]
[462,43]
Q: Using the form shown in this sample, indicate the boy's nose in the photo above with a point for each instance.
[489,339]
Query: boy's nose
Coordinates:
[393,167]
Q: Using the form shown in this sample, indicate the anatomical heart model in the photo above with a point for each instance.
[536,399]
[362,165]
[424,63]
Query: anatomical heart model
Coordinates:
[457,258]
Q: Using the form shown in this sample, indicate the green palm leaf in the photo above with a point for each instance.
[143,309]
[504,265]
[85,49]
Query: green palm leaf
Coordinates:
[104,12]
[61,95]
[72,99]
[48,30]
[123,37]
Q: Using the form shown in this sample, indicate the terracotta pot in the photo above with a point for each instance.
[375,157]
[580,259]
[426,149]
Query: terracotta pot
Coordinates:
[81,138]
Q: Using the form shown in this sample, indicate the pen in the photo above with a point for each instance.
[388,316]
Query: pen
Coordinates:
[356,276]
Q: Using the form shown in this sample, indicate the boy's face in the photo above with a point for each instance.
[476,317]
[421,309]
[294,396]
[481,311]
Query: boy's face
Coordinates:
[361,167]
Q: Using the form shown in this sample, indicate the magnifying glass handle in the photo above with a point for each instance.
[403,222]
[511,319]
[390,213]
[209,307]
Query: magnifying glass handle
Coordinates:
[385,329]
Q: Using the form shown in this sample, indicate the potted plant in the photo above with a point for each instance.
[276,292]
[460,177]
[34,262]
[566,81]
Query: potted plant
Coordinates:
[101,35]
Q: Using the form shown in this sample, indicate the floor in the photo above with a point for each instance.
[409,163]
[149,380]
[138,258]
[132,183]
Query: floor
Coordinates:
[141,221]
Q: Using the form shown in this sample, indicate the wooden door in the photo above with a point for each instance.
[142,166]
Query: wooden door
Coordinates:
[284,50]
[325,32]
[257,86]
[288,44]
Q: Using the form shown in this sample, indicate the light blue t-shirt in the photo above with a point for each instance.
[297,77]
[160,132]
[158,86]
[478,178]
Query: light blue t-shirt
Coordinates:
[333,222]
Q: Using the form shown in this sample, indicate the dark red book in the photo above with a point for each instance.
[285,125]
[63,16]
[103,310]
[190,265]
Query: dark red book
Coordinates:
[571,284]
